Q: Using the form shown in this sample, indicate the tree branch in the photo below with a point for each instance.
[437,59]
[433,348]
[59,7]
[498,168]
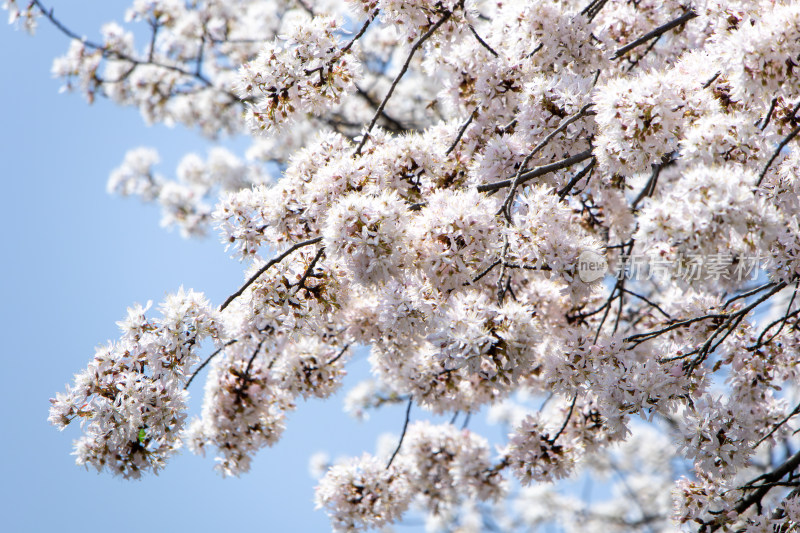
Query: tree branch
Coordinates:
[266,267]
[402,72]
[207,360]
[683,19]
[786,140]
[402,435]
[506,208]
[536,172]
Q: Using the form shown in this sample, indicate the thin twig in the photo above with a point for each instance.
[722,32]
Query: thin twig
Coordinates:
[466,421]
[647,50]
[576,179]
[788,314]
[651,304]
[207,360]
[732,322]
[501,288]
[310,268]
[306,7]
[566,420]
[483,43]
[253,358]
[360,33]
[48,13]
[462,130]
[641,337]
[152,49]
[650,186]
[593,9]
[611,298]
[794,412]
[333,359]
[402,435]
[621,304]
[748,294]
[338,356]
[393,122]
[790,465]
[713,78]
[533,52]
[402,72]
[486,271]
[777,151]
[266,267]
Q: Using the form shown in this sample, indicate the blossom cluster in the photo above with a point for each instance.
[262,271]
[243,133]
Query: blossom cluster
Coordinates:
[185,201]
[130,400]
[307,74]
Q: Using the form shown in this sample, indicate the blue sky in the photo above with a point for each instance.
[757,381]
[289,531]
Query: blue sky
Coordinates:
[74,259]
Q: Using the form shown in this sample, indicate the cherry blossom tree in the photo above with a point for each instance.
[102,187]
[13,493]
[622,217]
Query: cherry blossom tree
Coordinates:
[581,217]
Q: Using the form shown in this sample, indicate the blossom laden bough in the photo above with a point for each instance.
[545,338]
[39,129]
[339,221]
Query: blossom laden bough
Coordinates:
[445,170]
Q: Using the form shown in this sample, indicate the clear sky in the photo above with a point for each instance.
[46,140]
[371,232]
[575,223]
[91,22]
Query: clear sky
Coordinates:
[74,258]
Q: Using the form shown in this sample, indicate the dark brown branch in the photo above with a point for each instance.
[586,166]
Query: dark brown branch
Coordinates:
[338,355]
[402,435]
[611,298]
[152,49]
[683,19]
[483,43]
[310,269]
[651,304]
[748,294]
[346,48]
[486,271]
[207,360]
[731,323]
[538,171]
[782,321]
[641,337]
[576,179]
[566,420]
[306,7]
[786,140]
[333,359]
[266,267]
[246,374]
[461,131]
[787,467]
[713,78]
[543,268]
[533,52]
[506,208]
[118,55]
[501,287]
[777,426]
[393,122]
[647,50]
[593,9]
[728,322]
[769,114]
[397,79]
[650,186]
